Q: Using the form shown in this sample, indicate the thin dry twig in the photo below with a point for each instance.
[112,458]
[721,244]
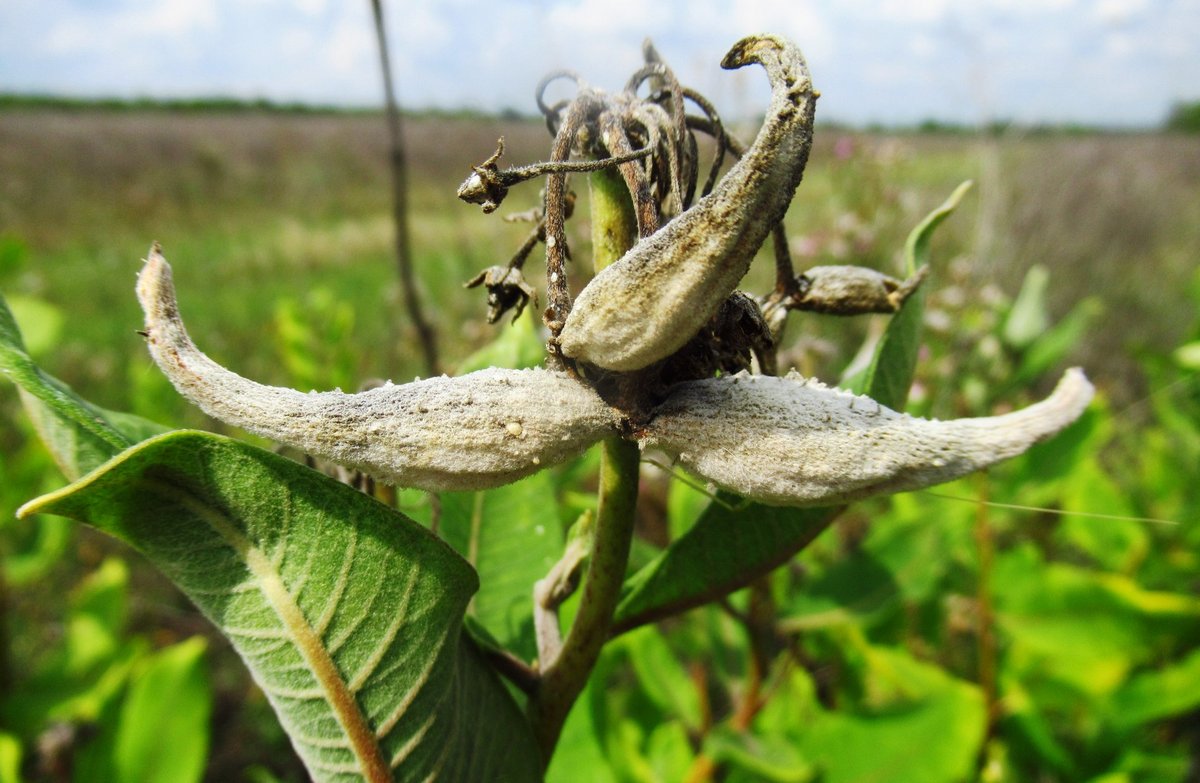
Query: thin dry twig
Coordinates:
[426,336]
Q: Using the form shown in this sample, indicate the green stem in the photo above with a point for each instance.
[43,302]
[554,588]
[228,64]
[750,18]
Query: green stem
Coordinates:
[614,224]
[564,679]
[614,230]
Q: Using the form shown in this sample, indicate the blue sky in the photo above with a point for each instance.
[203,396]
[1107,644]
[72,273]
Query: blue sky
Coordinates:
[1110,62]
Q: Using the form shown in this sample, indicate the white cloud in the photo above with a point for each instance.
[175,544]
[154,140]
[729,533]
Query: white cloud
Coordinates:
[1117,12]
[348,49]
[103,28]
[871,58]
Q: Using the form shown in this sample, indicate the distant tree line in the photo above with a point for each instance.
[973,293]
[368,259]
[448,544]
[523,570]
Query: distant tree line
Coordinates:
[224,104]
[1184,117]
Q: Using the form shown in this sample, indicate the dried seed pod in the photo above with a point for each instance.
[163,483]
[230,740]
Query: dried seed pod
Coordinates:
[853,290]
[649,303]
[794,442]
[506,290]
[481,430]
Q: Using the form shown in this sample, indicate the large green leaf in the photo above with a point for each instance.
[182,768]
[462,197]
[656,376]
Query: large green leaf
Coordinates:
[79,435]
[513,537]
[348,614]
[733,543]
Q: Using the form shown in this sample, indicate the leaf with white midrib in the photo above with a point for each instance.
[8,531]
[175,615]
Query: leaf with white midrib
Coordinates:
[347,613]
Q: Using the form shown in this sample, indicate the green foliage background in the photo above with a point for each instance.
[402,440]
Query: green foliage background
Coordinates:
[927,637]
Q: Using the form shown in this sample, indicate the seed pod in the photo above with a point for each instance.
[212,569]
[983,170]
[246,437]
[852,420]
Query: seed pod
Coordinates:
[478,431]
[649,303]
[853,290]
[794,442]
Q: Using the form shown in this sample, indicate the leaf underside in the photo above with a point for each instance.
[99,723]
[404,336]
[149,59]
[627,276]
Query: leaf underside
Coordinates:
[348,614]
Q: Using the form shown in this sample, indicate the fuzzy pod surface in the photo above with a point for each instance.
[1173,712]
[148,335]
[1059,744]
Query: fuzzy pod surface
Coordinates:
[651,301]
[795,442]
[477,431]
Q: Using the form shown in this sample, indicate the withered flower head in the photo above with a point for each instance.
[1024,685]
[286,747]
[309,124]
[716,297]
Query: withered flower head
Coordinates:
[786,441]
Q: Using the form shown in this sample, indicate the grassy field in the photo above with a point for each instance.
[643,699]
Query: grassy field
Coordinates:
[278,227]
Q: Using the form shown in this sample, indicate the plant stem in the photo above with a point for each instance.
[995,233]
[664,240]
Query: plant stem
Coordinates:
[985,624]
[614,225]
[566,676]
[614,230]
[404,265]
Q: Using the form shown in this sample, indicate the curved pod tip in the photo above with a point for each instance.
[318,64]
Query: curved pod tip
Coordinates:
[477,431]
[792,442]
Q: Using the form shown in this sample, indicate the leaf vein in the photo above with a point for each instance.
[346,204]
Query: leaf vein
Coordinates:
[385,728]
[385,642]
[339,587]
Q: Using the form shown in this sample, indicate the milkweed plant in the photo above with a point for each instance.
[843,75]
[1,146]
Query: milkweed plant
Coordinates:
[366,630]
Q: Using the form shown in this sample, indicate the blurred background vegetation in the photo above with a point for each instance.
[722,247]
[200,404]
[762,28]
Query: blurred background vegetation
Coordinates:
[923,638]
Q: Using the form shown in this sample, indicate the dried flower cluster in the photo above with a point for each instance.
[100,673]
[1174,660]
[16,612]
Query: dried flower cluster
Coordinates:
[656,347]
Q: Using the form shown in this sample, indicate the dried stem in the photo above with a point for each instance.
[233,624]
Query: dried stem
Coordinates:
[618,144]
[408,284]
[558,294]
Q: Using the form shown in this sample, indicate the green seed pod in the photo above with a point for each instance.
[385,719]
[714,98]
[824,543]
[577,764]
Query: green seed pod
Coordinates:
[478,431]
[656,297]
[794,442]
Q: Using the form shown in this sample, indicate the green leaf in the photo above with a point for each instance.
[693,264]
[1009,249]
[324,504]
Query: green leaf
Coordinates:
[43,323]
[1027,319]
[1078,628]
[1154,695]
[79,435]
[729,547]
[915,723]
[164,740]
[663,677]
[854,587]
[930,732]
[348,614]
[78,680]
[10,759]
[1187,355]
[1052,346]
[519,345]
[513,537]
[733,543]
[890,374]
[772,759]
